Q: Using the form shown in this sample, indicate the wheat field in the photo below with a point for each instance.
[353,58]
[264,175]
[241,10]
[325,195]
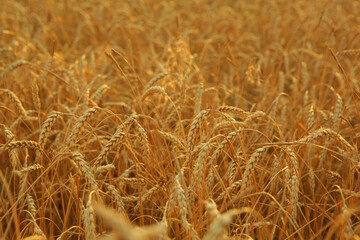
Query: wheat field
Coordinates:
[179,119]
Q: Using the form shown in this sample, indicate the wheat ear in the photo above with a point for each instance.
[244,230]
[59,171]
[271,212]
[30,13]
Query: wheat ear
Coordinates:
[194,129]
[86,170]
[88,217]
[115,139]
[249,170]
[217,227]
[12,66]
[46,127]
[79,124]
[14,99]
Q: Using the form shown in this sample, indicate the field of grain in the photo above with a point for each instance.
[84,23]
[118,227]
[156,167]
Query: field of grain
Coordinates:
[179,119]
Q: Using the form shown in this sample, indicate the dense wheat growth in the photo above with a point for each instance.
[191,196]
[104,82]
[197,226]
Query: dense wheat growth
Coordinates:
[179,119]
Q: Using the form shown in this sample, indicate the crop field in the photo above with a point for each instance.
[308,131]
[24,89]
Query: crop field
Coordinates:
[179,119]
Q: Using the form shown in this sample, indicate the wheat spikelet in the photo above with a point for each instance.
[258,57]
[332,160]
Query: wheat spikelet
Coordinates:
[234,186]
[115,139]
[12,66]
[96,96]
[217,227]
[35,94]
[249,170]
[118,223]
[228,124]
[155,79]
[154,190]
[152,90]
[73,81]
[145,149]
[23,144]
[229,138]
[198,171]
[230,175]
[88,217]
[133,181]
[337,111]
[46,127]
[177,141]
[198,98]
[252,116]
[216,154]
[237,111]
[183,205]
[79,124]
[28,169]
[13,154]
[31,204]
[32,210]
[294,193]
[281,81]
[305,76]
[104,168]
[14,99]
[349,52]
[312,180]
[119,201]
[324,132]
[306,99]
[46,69]
[194,129]
[80,162]
[311,118]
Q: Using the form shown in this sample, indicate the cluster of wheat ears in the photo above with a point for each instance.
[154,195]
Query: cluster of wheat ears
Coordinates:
[179,119]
